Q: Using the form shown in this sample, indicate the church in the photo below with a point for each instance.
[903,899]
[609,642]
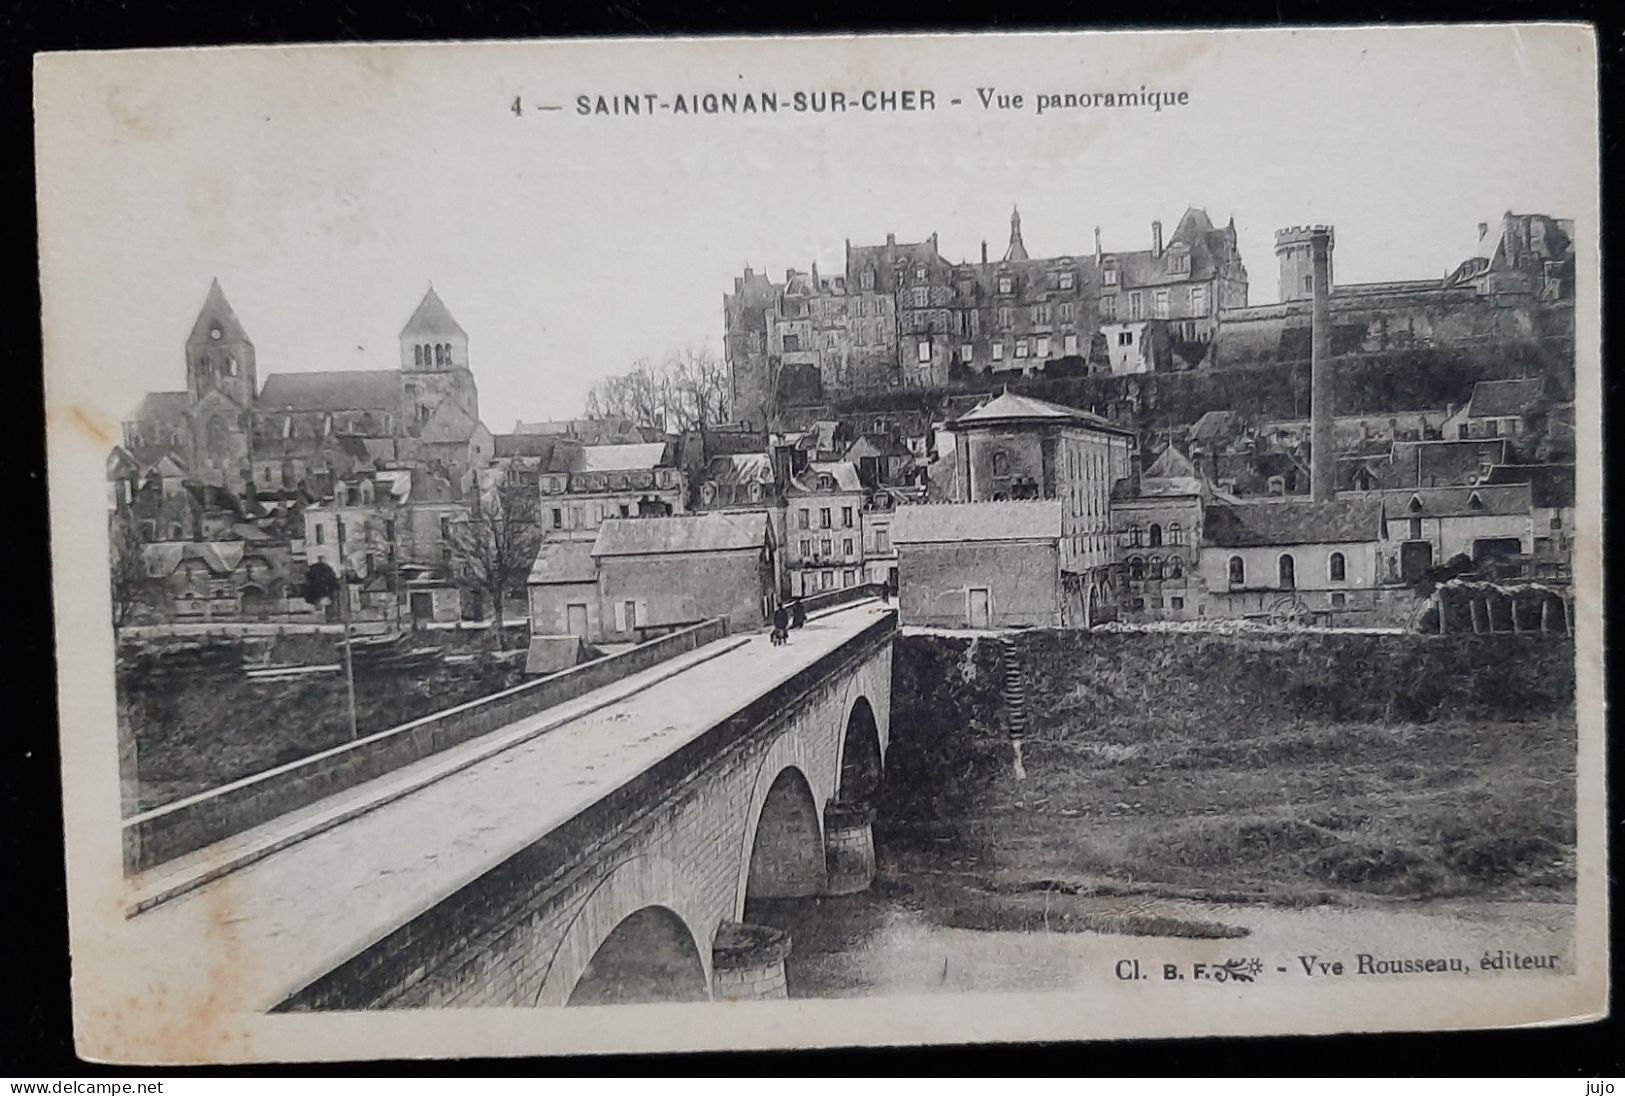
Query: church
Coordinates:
[227,430]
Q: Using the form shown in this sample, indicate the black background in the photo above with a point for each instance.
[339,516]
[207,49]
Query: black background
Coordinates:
[36,1037]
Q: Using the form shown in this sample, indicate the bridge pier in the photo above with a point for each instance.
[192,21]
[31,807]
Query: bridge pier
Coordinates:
[849,847]
[747,962]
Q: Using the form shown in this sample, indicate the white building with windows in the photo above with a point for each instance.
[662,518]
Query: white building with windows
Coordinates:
[1292,558]
[584,486]
[824,541]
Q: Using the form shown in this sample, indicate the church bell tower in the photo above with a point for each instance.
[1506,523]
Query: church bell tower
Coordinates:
[219,355]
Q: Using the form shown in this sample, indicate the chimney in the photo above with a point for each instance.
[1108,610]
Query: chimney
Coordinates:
[1323,452]
[1483,227]
[748,273]
[984,252]
[891,239]
[739,285]
[1097,244]
[816,285]
[1156,239]
[789,273]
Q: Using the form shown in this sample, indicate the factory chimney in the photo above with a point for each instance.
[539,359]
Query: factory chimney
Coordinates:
[1322,443]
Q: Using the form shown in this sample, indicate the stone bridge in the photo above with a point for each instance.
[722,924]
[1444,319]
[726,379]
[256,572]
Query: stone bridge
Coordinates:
[612,858]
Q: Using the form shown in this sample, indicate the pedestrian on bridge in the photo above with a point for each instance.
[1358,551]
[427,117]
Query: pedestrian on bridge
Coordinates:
[781,623]
[798,613]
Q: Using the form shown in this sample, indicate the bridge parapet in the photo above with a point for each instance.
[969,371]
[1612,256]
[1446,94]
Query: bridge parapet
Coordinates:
[157,836]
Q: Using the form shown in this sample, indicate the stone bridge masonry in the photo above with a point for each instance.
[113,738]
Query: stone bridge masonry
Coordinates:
[643,895]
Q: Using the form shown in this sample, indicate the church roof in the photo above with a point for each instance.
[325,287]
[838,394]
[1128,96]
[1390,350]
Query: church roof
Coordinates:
[338,390]
[217,315]
[161,405]
[1009,407]
[432,318]
[1017,251]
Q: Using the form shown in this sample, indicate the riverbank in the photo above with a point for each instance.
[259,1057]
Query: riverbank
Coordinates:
[1192,768]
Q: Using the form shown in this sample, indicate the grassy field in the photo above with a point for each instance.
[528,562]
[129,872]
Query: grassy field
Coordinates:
[1214,798]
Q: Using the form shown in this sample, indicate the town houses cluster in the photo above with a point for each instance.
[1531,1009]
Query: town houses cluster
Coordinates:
[901,424]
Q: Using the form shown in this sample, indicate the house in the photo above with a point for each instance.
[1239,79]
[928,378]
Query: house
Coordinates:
[1290,557]
[586,485]
[1500,409]
[1432,525]
[1015,447]
[563,591]
[824,535]
[1157,530]
[979,564]
[1551,500]
[659,574]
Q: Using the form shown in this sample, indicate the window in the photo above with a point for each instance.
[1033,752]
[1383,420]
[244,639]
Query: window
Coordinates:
[847,578]
[1160,303]
[417,355]
[1134,536]
[1021,348]
[1182,262]
[921,297]
[1108,307]
[867,279]
[998,351]
[558,517]
[1134,306]
[321,535]
[1286,572]
[1069,346]
[1138,604]
[1001,464]
[1336,568]
[1108,276]
[846,548]
[1154,567]
[967,353]
[827,580]
[1416,529]
[1176,567]
[1308,283]
[1176,603]
[1040,313]
[806,549]
[1339,600]
[1176,533]
[803,518]
[1136,569]
[1065,280]
[1004,317]
[1238,571]
[882,541]
[824,547]
[823,517]
[919,273]
[1154,535]
[1005,283]
[1199,299]
[923,352]
[1043,346]
[846,517]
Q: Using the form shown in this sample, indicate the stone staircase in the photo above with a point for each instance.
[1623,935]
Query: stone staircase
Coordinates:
[1015,699]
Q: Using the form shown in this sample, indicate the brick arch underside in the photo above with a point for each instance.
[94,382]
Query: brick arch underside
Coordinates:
[636,885]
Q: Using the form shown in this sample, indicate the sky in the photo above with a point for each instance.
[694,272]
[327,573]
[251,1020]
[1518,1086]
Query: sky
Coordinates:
[329,187]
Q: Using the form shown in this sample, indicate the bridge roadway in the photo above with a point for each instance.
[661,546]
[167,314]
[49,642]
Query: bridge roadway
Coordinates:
[257,934]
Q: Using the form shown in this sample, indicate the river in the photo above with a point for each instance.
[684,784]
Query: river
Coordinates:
[876,944]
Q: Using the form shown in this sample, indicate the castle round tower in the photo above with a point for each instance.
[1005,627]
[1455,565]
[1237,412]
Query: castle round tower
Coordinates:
[1292,248]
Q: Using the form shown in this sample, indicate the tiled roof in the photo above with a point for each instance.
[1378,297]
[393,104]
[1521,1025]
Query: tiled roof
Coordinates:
[1292,521]
[563,561]
[1442,463]
[432,318]
[338,390]
[1170,464]
[1213,424]
[612,458]
[523,445]
[1443,502]
[1493,399]
[844,472]
[740,468]
[216,315]
[947,523]
[730,531]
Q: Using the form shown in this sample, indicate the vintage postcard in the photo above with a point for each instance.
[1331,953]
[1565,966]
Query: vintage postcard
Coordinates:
[612,546]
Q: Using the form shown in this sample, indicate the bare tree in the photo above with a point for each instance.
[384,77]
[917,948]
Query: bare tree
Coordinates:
[493,549]
[131,584]
[701,387]
[689,388]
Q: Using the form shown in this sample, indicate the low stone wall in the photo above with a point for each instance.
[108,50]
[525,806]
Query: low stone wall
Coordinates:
[831,599]
[196,822]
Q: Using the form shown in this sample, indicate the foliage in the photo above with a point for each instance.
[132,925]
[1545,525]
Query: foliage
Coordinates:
[688,389]
[321,584]
[128,572]
[493,549]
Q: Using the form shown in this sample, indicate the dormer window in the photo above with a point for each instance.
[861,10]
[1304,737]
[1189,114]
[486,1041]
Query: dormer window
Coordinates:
[1064,280]
[1006,283]
[1108,273]
[1416,504]
[868,278]
[826,483]
[1474,502]
[919,273]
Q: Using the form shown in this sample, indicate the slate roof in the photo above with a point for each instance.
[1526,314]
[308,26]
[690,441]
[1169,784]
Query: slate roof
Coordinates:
[216,313]
[730,531]
[1274,521]
[845,474]
[432,318]
[1445,502]
[161,405]
[1495,399]
[1213,425]
[1442,463]
[524,445]
[610,458]
[560,561]
[1550,485]
[221,557]
[336,390]
[1009,407]
[954,522]
[740,468]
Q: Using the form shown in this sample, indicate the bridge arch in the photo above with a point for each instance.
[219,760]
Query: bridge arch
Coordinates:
[860,763]
[640,905]
[787,792]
